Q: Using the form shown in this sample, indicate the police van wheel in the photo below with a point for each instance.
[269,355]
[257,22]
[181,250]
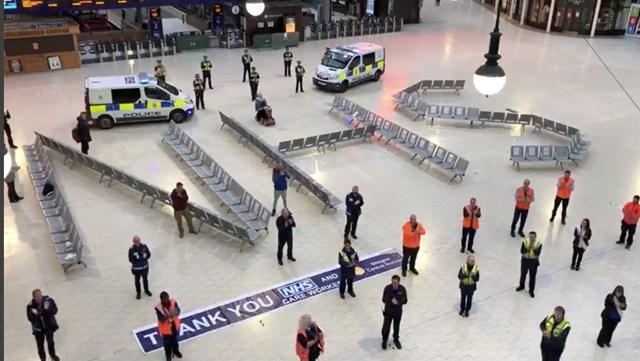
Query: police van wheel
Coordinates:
[343,87]
[178,116]
[105,122]
[376,76]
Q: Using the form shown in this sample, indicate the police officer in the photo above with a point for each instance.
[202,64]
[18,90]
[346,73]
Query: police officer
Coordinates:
[394,297]
[469,275]
[7,129]
[160,71]
[246,65]
[41,313]
[348,259]
[530,250]
[168,314]
[299,76]
[198,88]
[254,80]
[555,329]
[139,255]
[288,58]
[205,66]
[354,203]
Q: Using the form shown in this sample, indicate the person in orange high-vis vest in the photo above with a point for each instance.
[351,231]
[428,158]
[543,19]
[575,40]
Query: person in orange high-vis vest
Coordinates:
[565,186]
[411,233]
[470,215]
[168,314]
[631,215]
[309,339]
[524,196]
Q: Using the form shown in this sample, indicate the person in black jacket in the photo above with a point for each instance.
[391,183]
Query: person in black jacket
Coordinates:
[84,134]
[347,259]
[41,312]
[285,224]
[354,203]
[555,329]
[246,65]
[581,237]
[614,305]
[469,275]
[139,255]
[530,250]
[394,297]
[7,129]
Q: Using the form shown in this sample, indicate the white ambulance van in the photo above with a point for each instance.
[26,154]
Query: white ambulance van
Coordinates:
[346,66]
[131,99]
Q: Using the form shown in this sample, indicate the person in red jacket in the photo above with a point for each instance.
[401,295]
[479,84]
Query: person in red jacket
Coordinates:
[631,214]
[411,233]
[180,203]
[470,214]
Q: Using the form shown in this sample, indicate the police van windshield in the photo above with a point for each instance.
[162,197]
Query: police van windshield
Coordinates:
[168,87]
[336,60]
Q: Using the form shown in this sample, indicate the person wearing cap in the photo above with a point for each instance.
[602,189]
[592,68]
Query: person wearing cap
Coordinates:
[246,65]
[287,57]
[160,71]
[168,314]
[299,76]
[205,66]
[347,259]
[139,255]
[198,89]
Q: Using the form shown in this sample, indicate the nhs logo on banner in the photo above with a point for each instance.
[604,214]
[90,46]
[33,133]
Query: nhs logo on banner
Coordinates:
[293,289]
[205,320]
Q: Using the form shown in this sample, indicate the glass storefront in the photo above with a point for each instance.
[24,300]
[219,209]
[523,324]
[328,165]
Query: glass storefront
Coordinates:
[613,17]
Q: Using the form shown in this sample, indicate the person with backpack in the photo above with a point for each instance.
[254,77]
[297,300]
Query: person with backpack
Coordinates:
[81,133]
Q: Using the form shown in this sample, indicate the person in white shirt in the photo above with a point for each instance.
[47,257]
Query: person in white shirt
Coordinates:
[581,237]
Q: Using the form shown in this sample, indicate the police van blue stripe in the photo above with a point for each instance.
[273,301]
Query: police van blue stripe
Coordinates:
[166,104]
[139,106]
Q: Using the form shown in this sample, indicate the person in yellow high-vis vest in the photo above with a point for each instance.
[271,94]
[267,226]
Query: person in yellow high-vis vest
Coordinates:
[205,66]
[530,250]
[287,57]
[160,71]
[555,329]
[348,259]
[469,275]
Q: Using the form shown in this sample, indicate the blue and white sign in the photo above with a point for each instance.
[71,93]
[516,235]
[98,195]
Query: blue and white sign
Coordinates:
[205,320]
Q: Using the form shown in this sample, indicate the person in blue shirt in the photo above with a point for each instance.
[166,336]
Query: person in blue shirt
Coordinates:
[348,259]
[354,203]
[280,183]
[139,255]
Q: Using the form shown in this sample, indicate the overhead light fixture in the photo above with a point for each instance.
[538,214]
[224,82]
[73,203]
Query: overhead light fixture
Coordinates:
[490,78]
[7,162]
[255,7]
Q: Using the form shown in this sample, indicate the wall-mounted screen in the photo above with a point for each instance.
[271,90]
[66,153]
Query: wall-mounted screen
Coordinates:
[10,4]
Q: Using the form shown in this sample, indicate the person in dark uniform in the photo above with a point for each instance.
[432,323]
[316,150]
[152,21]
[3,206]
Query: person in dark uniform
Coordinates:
[299,76]
[246,65]
[287,57]
[285,224]
[84,134]
[354,203]
[254,80]
[10,179]
[160,71]
[530,250]
[469,275]
[348,259]
[41,313]
[7,129]
[205,66]
[394,297]
[139,255]
[614,306]
[168,314]
[198,88]
[555,329]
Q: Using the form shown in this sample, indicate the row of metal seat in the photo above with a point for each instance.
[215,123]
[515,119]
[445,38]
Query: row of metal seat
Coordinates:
[303,179]
[238,200]
[420,147]
[425,85]
[63,230]
[560,154]
[329,140]
[204,216]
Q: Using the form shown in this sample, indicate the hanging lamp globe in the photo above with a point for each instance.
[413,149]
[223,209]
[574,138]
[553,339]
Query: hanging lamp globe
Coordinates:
[255,7]
[490,78]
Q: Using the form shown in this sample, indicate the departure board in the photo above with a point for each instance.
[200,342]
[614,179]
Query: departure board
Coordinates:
[28,4]
[43,6]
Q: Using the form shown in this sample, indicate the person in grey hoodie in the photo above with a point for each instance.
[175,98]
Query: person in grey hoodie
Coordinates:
[11,186]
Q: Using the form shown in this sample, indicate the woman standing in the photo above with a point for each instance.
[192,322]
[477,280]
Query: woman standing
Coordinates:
[581,237]
[310,339]
[614,305]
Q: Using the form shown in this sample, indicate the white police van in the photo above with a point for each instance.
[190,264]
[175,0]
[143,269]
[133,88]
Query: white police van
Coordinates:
[131,99]
[346,66]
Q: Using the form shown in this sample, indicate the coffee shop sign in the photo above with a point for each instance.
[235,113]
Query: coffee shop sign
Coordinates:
[28,33]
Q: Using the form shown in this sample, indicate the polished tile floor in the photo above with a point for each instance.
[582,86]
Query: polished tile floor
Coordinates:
[588,83]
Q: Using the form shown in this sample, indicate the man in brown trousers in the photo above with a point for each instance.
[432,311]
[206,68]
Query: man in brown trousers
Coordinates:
[180,202]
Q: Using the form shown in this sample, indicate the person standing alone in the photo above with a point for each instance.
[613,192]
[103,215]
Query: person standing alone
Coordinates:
[168,314]
[347,259]
[299,76]
[285,224]
[411,233]
[7,129]
[469,275]
[287,57]
[205,66]
[41,313]
[246,65]
[581,237]
[614,306]
[254,80]
[555,329]
[530,250]
[631,214]
[139,255]
[470,215]
[198,89]
[565,186]
[524,196]
[309,340]
[280,183]
[180,203]
[354,203]
[394,297]
[10,179]
[83,132]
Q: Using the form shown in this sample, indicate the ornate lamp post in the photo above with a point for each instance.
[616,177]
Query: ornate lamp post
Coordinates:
[489,78]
